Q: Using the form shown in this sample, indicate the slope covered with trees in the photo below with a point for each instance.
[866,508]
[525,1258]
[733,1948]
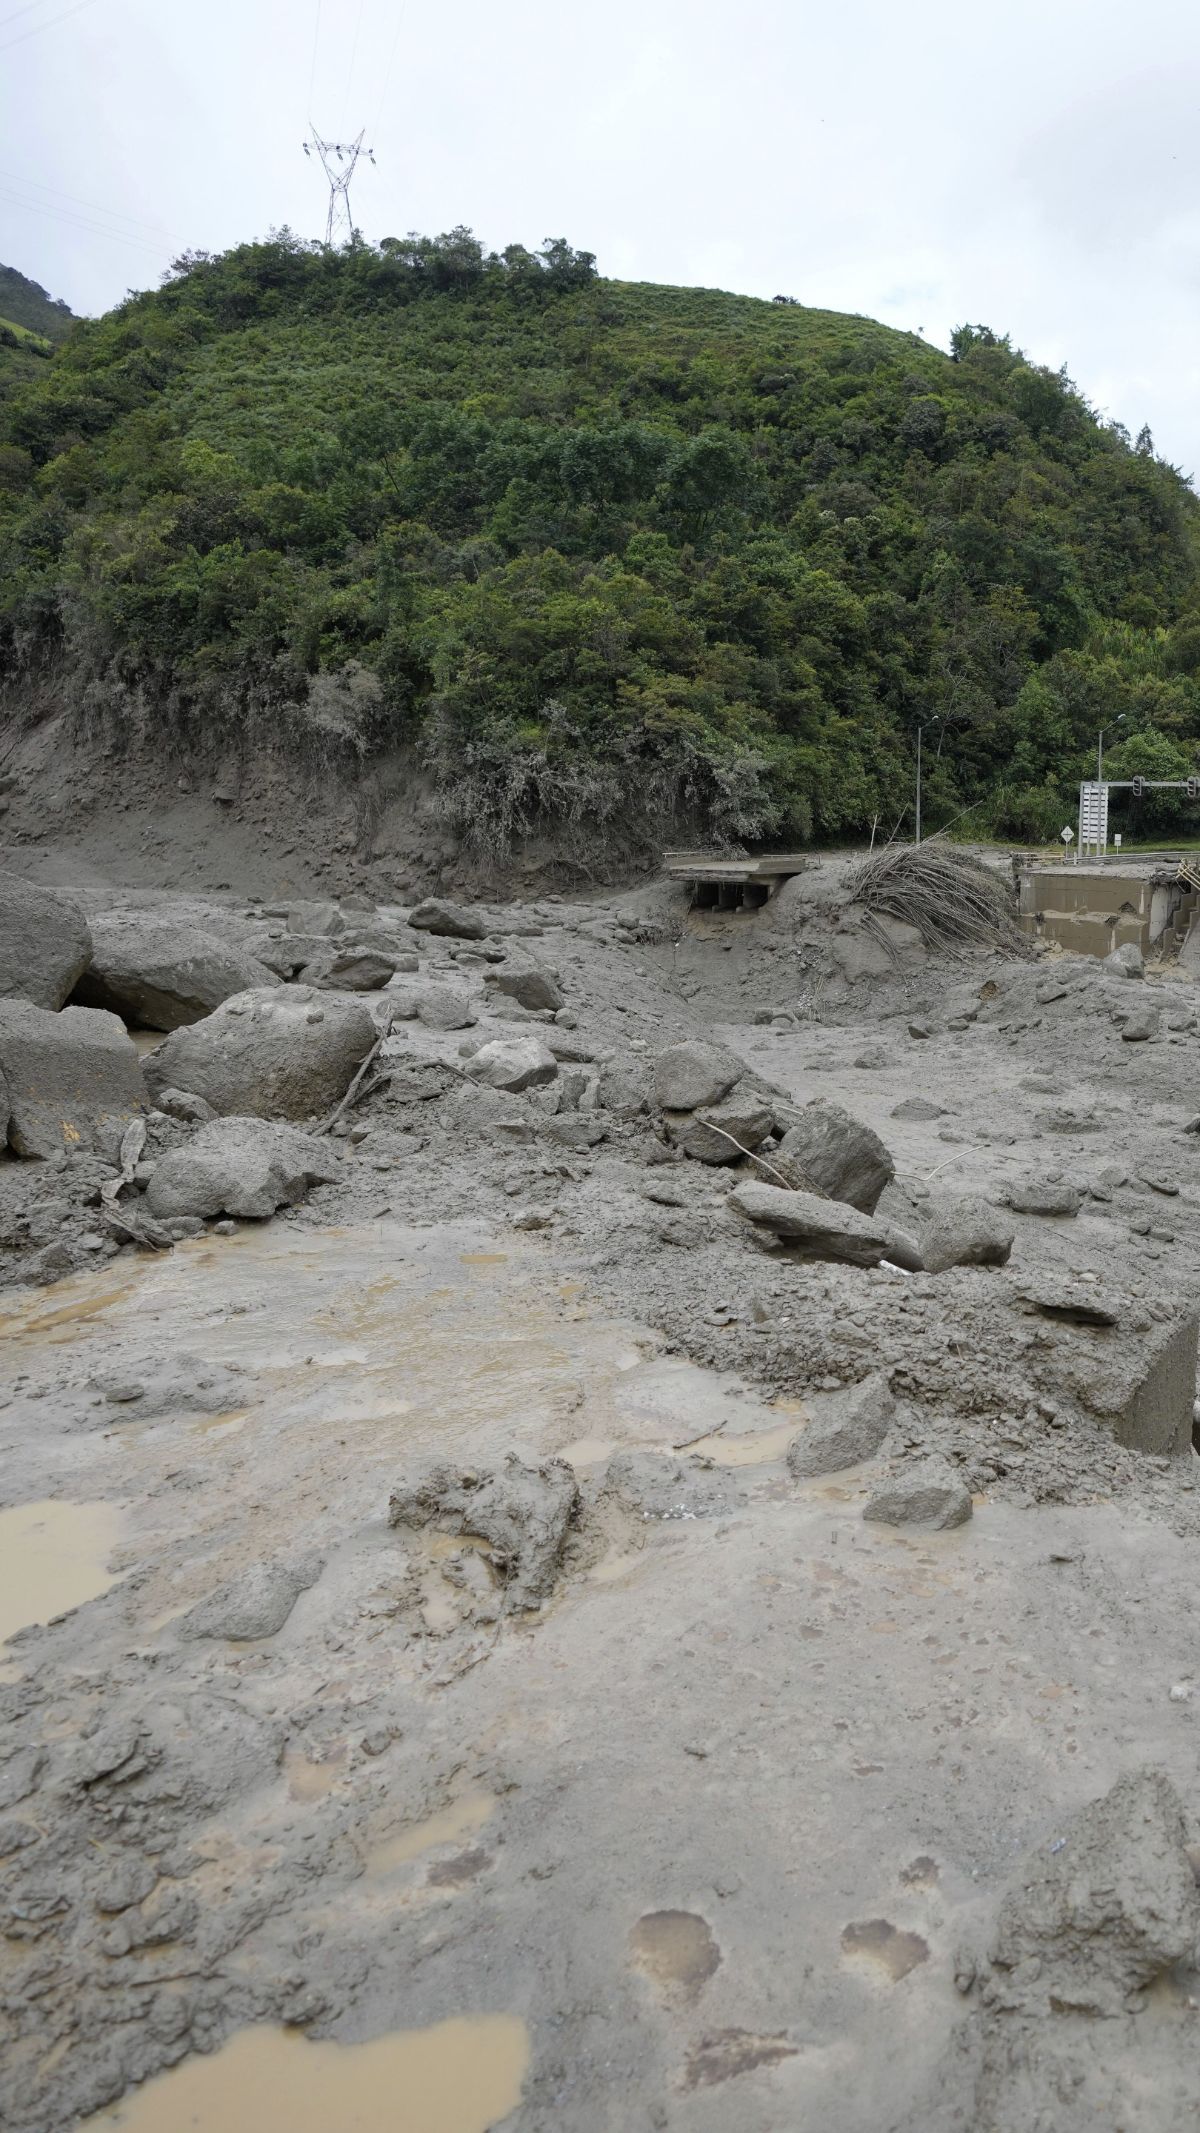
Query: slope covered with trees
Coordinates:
[622,555]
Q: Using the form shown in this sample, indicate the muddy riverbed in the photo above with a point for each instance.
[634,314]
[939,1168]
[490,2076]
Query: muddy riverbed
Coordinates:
[302,1823]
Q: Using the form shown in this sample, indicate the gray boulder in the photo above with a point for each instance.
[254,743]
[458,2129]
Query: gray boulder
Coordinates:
[357,970]
[512,1063]
[162,974]
[691,1074]
[434,915]
[963,1230]
[918,1110]
[835,1154]
[445,1007]
[720,1133]
[290,1053]
[851,1429]
[1126,962]
[1090,1923]
[239,1166]
[827,1229]
[73,1079]
[926,1493]
[1141,1025]
[1043,1196]
[530,988]
[523,1512]
[322,921]
[255,1603]
[623,1093]
[45,943]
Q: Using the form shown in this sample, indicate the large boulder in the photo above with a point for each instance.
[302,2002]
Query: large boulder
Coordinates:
[694,1073]
[721,1133]
[45,943]
[239,1166]
[163,974]
[290,1053]
[73,1079]
[512,1064]
[362,969]
[827,1151]
[531,988]
[959,1229]
[827,1229]
[437,916]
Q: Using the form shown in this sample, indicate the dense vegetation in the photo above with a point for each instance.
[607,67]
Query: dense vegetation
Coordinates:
[30,325]
[616,554]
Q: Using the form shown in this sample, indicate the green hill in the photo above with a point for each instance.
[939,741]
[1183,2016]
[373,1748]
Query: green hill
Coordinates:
[616,556]
[25,303]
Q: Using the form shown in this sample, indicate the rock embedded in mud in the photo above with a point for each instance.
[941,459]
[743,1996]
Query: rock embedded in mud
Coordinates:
[1127,961]
[720,1133]
[658,1485]
[837,1155]
[357,970]
[181,1104]
[523,1512]
[73,1079]
[1089,1923]
[827,1229]
[963,1230]
[689,1075]
[255,1603]
[918,1110]
[246,1167]
[162,974]
[435,915]
[180,1384]
[512,1064]
[622,1092]
[926,1493]
[1042,1196]
[1141,1025]
[45,943]
[290,1053]
[851,1428]
[531,988]
[445,1007]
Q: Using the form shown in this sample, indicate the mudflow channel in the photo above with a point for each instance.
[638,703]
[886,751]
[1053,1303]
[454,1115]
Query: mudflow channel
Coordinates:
[437,1694]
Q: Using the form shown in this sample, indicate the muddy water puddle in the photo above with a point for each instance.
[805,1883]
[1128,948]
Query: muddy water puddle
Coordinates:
[461,1819]
[460,2076]
[53,1557]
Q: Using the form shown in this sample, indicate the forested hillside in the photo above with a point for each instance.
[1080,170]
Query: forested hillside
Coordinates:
[30,324]
[627,555]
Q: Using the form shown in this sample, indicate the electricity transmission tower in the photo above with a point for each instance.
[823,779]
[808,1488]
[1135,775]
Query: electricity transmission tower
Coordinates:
[339,228]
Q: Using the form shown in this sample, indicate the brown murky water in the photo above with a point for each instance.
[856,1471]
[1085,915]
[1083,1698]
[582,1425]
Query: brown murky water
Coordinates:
[462,2076]
[53,1556]
[461,1819]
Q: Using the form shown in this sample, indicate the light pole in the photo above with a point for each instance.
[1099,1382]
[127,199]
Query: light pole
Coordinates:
[1118,721]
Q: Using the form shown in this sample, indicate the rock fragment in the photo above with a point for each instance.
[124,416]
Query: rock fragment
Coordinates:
[435,915]
[925,1493]
[837,1155]
[255,1603]
[689,1075]
[1043,1196]
[246,1167]
[828,1229]
[963,1230]
[513,1064]
[720,1133]
[531,988]
[851,1429]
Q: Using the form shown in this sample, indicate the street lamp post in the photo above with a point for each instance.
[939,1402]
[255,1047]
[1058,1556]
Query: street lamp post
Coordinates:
[920,731]
[1118,721]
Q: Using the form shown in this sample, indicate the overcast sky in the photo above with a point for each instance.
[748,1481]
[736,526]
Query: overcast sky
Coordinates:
[1035,167]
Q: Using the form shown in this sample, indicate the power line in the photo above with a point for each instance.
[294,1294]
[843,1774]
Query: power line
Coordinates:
[38,27]
[387,72]
[78,222]
[90,207]
[312,72]
[17,11]
[353,57]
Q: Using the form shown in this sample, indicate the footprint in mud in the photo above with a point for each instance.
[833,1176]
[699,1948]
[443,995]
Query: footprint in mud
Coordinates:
[877,1941]
[675,1950]
[732,2051]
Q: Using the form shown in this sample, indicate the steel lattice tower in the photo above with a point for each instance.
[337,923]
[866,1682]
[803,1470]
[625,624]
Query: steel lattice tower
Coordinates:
[339,228]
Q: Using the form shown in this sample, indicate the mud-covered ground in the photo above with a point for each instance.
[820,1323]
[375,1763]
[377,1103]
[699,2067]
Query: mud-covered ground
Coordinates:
[298,1810]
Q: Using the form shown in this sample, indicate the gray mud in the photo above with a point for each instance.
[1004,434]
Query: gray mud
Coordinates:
[673,1792]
